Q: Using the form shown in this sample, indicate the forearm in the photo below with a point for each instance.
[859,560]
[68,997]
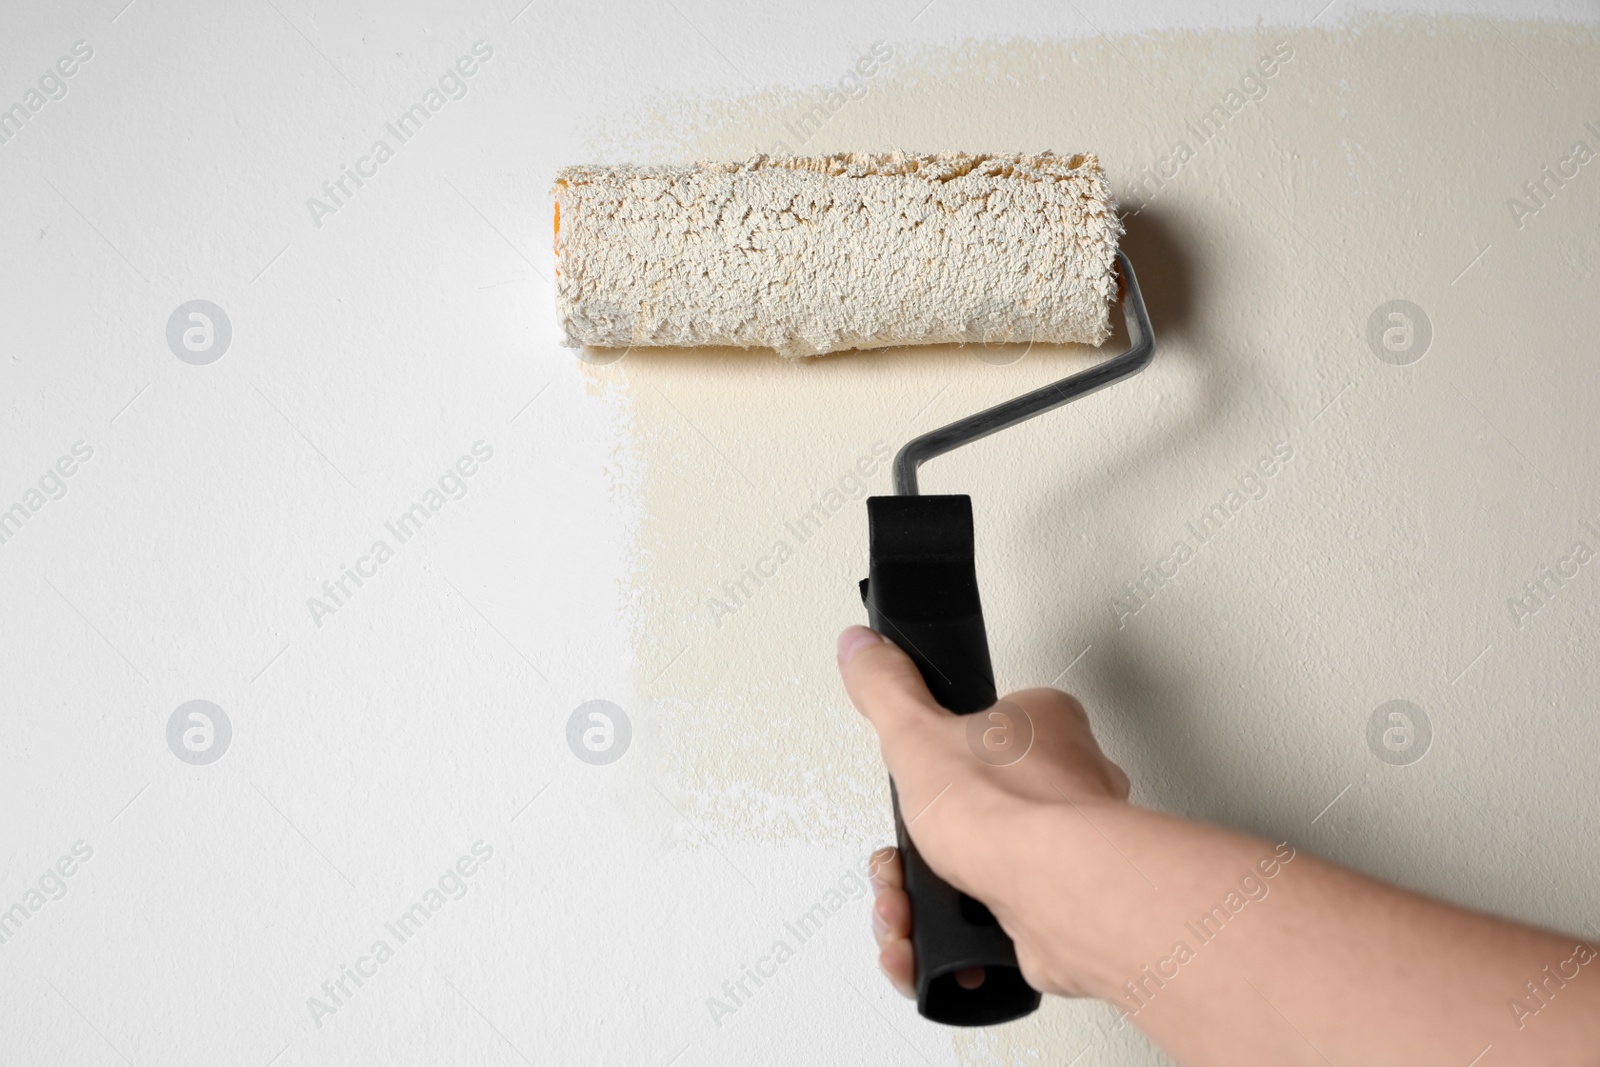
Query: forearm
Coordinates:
[1224,948]
[1228,949]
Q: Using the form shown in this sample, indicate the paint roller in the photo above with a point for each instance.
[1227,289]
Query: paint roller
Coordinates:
[811,255]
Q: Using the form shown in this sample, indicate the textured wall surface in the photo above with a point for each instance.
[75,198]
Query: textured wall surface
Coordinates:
[382,684]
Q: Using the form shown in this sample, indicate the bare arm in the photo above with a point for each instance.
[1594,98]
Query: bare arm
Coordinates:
[1224,948]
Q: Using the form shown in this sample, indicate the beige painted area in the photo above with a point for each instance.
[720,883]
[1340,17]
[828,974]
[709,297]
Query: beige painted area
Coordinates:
[1376,562]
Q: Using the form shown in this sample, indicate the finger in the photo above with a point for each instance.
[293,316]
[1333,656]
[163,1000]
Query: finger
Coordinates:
[891,916]
[884,684]
[899,965]
[1122,785]
[884,870]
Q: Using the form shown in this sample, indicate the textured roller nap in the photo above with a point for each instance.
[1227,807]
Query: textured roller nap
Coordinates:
[814,255]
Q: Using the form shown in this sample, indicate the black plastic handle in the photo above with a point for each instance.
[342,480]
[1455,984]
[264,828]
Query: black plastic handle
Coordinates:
[922,594]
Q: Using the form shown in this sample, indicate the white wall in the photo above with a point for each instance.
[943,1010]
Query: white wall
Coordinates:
[373,746]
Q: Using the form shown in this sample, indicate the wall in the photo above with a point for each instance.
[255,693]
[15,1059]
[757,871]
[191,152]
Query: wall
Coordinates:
[387,736]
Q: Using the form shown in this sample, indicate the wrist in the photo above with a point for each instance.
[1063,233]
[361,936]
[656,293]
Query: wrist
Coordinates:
[1069,895]
[1132,882]
[1106,895]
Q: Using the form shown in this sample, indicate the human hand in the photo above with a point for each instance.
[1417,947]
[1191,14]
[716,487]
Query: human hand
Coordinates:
[983,827]
[1051,845]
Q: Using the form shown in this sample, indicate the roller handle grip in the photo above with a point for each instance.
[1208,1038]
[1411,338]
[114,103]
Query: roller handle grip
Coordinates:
[922,594]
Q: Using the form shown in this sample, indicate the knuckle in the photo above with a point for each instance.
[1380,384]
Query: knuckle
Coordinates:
[884,865]
[1051,701]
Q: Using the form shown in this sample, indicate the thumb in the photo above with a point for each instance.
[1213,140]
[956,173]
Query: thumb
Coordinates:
[887,688]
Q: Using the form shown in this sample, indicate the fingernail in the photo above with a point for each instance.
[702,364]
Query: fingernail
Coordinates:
[879,927]
[854,639]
